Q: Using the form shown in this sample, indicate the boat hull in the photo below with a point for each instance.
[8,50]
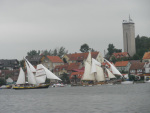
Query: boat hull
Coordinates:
[31,87]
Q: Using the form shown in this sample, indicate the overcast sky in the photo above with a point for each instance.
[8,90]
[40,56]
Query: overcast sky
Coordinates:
[46,24]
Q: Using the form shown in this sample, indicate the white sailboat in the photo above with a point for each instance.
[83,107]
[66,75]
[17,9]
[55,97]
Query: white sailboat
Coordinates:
[36,78]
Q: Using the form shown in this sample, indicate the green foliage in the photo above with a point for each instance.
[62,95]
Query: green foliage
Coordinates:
[56,52]
[65,78]
[84,48]
[33,52]
[111,49]
[2,82]
[131,77]
[142,45]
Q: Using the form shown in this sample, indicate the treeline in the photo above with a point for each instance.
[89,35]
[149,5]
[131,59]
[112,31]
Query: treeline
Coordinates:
[56,52]
[142,45]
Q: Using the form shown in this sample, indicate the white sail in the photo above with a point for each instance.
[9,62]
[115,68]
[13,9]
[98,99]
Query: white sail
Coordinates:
[40,74]
[31,77]
[99,75]
[110,75]
[87,71]
[100,58]
[114,70]
[94,64]
[21,77]
[50,75]
[30,66]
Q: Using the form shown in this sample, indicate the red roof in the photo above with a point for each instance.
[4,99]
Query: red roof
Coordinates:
[121,54]
[146,55]
[60,67]
[121,63]
[73,66]
[55,59]
[137,65]
[81,56]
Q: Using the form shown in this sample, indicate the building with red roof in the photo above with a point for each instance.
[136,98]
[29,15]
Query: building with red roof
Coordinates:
[51,61]
[146,57]
[123,66]
[120,55]
[137,68]
[78,57]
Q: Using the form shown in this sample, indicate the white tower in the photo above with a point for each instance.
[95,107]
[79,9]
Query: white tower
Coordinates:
[129,36]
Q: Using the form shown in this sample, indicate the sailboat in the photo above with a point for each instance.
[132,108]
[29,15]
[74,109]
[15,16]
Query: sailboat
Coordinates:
[94,73]
[36,77]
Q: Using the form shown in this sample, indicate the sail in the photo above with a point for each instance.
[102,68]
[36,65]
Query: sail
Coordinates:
[30,66]
[100,58]
[94,63]
[110,75]
[87,72]
[89,58]
[99,76]
[114,70]
[50,75]
[31,77]
[21,77]
[40,74]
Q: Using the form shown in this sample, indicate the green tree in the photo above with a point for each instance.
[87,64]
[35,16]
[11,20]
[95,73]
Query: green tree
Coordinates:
[33,52]
[65,78]
[56,52]
[110,49]
[84,48]
[2,82]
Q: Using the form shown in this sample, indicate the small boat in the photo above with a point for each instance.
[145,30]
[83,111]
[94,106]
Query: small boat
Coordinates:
[6,87]
[58,85]
[127,82]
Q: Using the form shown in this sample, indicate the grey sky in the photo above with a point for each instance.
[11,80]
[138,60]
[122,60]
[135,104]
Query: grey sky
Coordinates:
[46,24]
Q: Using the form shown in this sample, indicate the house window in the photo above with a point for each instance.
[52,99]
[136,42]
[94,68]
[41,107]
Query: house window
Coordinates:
[132,71]
[139,70]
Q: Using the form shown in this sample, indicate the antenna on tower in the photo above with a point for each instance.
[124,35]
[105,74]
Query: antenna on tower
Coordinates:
[130,20]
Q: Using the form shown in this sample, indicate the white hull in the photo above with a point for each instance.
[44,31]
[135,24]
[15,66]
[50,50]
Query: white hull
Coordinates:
[147,81]
[127,82]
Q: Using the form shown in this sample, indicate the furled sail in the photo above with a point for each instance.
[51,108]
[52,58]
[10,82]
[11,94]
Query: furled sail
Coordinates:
[21,77]
[114,70]
[110,75]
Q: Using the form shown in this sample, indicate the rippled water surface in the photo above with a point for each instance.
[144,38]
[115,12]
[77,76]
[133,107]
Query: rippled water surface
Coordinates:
[134,98]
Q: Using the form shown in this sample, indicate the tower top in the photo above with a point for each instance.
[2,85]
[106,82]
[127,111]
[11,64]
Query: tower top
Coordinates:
[128,21]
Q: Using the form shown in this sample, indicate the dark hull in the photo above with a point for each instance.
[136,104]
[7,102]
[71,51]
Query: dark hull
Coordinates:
[31,87]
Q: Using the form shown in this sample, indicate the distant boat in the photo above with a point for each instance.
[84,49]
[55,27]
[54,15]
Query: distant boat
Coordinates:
[36,77]
[127,82]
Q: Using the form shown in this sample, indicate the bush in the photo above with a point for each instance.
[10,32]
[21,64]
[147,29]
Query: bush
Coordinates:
[2,82]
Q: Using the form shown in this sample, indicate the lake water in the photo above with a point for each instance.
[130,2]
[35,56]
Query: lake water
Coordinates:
[134,98]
